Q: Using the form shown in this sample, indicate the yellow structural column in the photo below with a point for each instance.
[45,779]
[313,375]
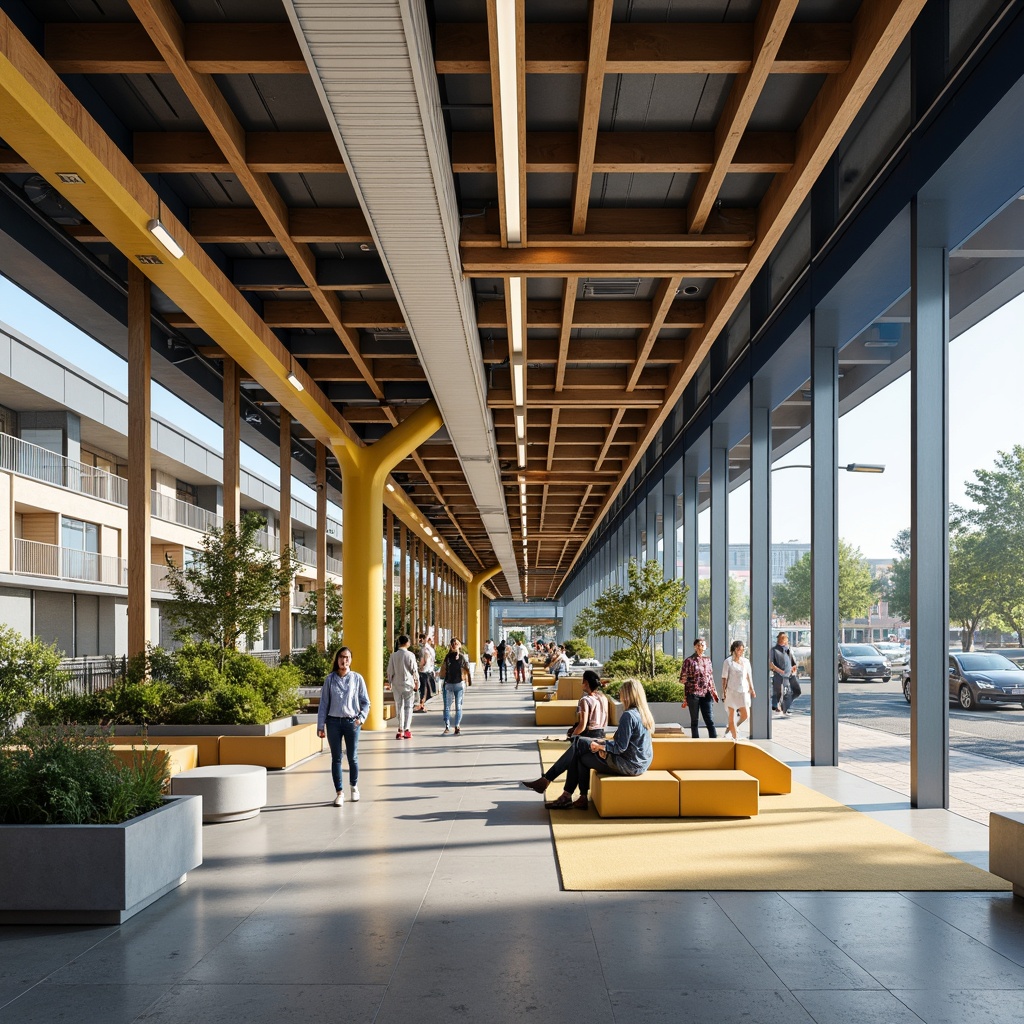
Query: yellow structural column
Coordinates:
[475,638]
[364,473]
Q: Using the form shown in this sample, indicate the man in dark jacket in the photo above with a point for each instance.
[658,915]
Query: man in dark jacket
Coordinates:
[783,666]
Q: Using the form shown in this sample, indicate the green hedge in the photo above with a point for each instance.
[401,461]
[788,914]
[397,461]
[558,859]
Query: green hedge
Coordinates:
[665,688]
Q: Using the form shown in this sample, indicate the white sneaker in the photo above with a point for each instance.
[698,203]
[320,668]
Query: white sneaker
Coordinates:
[354,795]
[339,799]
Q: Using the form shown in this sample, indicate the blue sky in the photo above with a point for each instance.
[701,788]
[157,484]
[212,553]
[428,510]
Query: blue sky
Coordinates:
[985,418]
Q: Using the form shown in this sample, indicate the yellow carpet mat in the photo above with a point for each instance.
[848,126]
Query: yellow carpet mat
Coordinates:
[799,841]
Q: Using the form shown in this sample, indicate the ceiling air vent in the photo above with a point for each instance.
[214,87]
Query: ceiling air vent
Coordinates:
[611,288]
[391,334]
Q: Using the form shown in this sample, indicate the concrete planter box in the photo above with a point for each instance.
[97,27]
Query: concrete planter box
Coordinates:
[98,874]
[208,730]
[670,711]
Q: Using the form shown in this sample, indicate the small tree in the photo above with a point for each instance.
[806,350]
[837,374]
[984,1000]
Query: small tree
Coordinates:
[974,582]
[231,588]
[897,587]
[30,672]
[517,636]
[856,587]
[739,604]
[650,605]
[333,605]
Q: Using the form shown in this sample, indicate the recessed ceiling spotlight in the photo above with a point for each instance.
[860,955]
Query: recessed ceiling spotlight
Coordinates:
[690,289]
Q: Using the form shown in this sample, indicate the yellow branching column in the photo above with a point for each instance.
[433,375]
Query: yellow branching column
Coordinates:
[364,472]
[475,638]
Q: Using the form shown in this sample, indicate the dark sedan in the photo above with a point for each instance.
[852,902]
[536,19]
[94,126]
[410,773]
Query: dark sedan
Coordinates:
[981,677]
[862,661]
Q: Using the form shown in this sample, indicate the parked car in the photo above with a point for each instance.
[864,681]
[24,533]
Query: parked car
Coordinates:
[897,654]
[977,677]
[862,661]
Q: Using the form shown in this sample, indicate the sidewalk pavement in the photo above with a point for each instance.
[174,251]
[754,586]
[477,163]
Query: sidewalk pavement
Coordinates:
[977,785]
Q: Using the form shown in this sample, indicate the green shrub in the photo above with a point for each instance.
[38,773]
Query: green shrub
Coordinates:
[30,675]
[665,688]
[578,648]
[621,663]
[55,777]
[312,664]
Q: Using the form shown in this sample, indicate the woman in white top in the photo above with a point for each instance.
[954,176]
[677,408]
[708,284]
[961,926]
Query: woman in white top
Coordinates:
[737,686]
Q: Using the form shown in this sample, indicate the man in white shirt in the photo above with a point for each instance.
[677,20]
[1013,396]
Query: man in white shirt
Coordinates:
[426,671]
[522,661]
[488,657]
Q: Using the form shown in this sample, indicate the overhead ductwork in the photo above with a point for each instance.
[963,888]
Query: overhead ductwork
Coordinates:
[372,63]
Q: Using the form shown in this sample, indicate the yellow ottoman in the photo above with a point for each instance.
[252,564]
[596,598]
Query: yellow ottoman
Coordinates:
[555,712]
[716,794]
[654,794]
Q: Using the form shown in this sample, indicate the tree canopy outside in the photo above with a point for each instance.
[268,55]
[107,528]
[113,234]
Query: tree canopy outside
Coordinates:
[231,588]
[739,604]
[856,587]
[973,586]
[333,605]
[897,589]
[649,605]
[998,513]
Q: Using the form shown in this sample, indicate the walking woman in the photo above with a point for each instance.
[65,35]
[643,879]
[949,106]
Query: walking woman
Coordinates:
[592,709]
[344,705]
[455,673]
[737,687]
[628,752]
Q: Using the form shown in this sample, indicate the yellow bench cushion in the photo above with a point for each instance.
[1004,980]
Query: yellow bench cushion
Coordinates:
[716,794]
[570,688]
[555,712]
[278,750]
[208,746]
[774,776]
[654,794]
[180,757]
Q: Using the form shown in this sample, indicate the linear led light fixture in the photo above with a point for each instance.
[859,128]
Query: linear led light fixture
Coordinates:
[518,383]
[156,228]
[428,531]
[508,98]
[520,425]
[521,452]
[515,307]
[390,487]
[295,382]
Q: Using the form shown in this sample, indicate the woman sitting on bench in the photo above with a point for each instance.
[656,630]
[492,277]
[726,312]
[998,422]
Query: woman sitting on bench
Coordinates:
[628,752]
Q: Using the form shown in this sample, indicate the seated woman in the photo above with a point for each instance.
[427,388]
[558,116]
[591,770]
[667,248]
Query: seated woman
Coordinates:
[592,709]
[628,752]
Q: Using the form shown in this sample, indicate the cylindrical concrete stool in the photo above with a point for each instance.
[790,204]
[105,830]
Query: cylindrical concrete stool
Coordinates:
[230,792]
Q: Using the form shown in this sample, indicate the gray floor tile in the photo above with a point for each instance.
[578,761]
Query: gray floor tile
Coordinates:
[669,1006]
[856,1007]
[267,1004]
[996,920]
[55,1004]
[941,1006]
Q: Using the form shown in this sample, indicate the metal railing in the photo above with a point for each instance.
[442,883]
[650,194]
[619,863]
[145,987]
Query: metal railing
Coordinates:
[34,558]
[93,673]
[32,460]
[173,510]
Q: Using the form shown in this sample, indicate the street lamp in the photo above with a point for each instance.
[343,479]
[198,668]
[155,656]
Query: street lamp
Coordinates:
[850,467]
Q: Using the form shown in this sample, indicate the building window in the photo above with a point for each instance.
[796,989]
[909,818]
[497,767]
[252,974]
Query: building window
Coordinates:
[78,536]
[188,493]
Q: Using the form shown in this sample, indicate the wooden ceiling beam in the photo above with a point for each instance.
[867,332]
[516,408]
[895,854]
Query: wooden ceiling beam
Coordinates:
[611,378]
[265,153]
[770,28]
[553,261]
[879,29]
[628,153]
[564,332]
[649,49]
[582,398]
[599,27]
[164,26]
[211,48]
[304,313]
[234,225]
[728,228]
[593,313]
[659,310]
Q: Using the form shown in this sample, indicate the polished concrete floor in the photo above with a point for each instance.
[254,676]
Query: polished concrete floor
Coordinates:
[436,898]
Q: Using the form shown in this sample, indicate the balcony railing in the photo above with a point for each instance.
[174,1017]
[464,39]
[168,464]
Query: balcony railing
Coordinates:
[34,558]
[171,510]
[31,460]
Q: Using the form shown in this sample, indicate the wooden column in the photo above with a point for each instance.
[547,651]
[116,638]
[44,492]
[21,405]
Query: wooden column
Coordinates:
[285,532]
[232,454]
[389,578]
[321,546]
[139,469]
[403,579]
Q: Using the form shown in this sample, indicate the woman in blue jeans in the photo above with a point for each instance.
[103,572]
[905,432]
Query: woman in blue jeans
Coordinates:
[344,704]
[628,752]
[455,673]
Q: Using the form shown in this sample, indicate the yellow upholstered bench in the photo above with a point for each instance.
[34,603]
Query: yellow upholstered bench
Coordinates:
[555,712]
[544,693]
[716,794]
[570,687]
[622,796]
[208,746]
[278,750]
[180,757]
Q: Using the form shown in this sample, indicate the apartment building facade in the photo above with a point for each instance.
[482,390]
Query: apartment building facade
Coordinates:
[64,517]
